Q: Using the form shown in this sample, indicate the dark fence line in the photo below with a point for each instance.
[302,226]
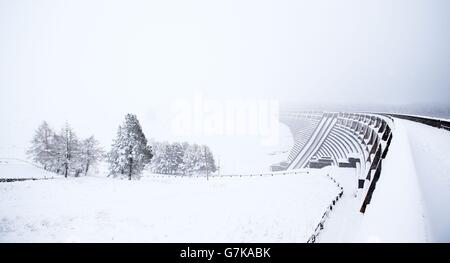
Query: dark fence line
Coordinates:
[265,174]
[441,124]
[321,225]
[229,175]
[10,180]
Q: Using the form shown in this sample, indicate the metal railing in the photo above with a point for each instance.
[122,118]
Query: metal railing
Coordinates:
[266,174]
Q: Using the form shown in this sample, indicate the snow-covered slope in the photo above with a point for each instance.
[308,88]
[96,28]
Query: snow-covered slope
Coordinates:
[12,168]
[248,209]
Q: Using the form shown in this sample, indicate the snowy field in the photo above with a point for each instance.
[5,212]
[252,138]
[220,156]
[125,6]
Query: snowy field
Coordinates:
[96,209]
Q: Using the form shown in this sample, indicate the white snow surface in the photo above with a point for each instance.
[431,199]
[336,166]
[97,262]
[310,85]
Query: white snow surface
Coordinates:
[431,153]
[284,208]
[19,169]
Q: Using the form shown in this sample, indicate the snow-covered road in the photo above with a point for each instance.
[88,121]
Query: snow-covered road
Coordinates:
[430,149]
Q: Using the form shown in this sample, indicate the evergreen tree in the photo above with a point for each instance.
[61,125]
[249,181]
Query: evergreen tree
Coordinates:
[158,163]
[115,158]
[191,159]
[175,156]
[182,158]
[130,151]
[184,168]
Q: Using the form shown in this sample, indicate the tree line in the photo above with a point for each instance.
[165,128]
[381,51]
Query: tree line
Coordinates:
[182,158]
[130,153]
[62,152]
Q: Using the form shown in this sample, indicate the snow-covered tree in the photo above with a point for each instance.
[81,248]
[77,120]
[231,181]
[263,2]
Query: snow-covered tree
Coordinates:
[90,154]
[181,158]
[69,151]
[62,152]
[191,159]
[116,159]
[130,151]
[207,163]
[57,161]
[159,159]
[42,146]
[175,156]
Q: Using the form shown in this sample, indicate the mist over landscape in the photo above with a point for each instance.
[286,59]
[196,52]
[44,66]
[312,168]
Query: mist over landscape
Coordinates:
[86,61]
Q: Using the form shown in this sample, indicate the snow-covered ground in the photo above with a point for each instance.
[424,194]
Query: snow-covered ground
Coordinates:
[98,209]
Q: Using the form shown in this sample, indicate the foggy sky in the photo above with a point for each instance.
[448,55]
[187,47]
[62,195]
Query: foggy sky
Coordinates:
[90,62]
